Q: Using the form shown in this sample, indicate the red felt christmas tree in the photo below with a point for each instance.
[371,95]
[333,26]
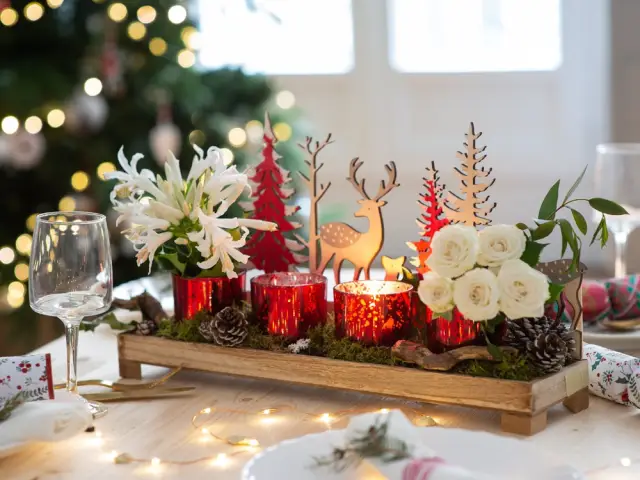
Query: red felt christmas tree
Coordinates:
[271,251]
[431,220]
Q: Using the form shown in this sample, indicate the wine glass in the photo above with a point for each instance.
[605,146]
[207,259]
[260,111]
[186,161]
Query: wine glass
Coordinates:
[70,277]
[617,177]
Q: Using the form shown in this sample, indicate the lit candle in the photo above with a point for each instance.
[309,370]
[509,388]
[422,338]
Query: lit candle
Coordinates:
[289,303]
[373,312]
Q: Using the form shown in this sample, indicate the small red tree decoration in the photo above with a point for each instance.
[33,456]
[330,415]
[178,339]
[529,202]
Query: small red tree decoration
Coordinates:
[271,251]
[431,220]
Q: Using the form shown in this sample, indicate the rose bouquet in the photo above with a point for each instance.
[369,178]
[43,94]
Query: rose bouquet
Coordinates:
[182,221]
[489,275]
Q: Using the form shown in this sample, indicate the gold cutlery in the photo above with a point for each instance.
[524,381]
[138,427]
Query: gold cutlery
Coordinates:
[120,386]
[136,394]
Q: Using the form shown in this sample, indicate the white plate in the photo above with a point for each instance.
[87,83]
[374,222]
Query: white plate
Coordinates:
[483,453]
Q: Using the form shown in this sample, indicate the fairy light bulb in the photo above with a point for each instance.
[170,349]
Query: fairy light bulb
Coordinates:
[93,86]
[23,244]
[54,3]
[282,131]
[136,31]
[157,46]
[55,118]
[7,255]
[117,12]
[67,204]
[80,181]
[8,17]
[227,156]
[177,14]
[33,11]
[21,272]
[285,99]
[186,58]
[33,124]
[10,124]
[104,168]
[155,461]
[146,14]
[237,137]
[625,461]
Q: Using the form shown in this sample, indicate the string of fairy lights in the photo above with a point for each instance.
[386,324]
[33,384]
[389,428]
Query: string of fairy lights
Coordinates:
[12,296]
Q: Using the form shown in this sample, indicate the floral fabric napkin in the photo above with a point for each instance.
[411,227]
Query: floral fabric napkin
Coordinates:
[30,374]
[613,375]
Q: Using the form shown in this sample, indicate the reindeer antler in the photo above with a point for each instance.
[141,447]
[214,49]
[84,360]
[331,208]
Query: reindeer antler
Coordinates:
[392,172]
[356,163]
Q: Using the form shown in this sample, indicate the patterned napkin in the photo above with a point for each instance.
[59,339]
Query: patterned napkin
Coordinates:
[30,374]
[613,375]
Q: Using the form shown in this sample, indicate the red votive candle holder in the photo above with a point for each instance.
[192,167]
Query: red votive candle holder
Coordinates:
[443,334]
[210,294]
[373,312]
[289,303]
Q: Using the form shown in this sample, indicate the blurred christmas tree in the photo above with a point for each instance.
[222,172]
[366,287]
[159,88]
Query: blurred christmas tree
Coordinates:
[80,78]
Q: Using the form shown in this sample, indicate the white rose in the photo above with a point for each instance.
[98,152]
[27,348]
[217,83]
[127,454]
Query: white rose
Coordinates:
[476,295]
[454,250]
[436,292]
[523,290]
[500,243]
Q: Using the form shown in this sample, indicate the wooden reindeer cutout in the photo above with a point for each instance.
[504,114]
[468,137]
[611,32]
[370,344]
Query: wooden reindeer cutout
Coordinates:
[342,242]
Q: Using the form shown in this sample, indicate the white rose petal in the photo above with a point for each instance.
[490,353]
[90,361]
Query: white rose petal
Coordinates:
[436,292]
[500,243]
[476,295]
[454,250]
[523,290]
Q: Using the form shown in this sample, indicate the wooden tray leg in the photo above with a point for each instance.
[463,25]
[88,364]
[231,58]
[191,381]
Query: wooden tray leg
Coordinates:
[129,369]
[577,402]
[523,424]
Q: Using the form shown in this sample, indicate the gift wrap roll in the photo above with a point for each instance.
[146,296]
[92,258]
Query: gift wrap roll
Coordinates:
[613,375]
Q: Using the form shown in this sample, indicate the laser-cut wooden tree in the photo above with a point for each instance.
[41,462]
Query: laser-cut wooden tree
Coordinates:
[311,151]
[431,219]
[342,242]
[470,207]
[393,267]
[271,251]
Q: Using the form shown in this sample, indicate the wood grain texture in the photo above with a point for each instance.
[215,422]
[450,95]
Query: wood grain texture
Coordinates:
[414,384]
[523,424]
[577,402]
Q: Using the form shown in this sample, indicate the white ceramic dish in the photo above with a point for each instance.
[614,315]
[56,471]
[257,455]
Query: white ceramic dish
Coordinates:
[483,453]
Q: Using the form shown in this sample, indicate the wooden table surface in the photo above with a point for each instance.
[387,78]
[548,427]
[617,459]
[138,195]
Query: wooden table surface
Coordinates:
[597,437]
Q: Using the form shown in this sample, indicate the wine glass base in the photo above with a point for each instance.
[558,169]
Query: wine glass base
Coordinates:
[97,409]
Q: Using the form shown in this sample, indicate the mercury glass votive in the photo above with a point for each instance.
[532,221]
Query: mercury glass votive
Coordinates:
[289,303]
[373,312]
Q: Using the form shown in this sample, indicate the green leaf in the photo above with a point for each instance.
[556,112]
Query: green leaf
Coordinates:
[214,272]
[522,226]
[543,231]
[575,185]
[607,206]
[604,238]
[495,351]
[565,244]
[532,252]
[445,315]
[555,290]
[598,230]
[550,203]
[581,222]
[568,234]
[172,259]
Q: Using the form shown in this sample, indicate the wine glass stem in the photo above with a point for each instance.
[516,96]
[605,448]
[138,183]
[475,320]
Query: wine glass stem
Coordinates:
[72,329]
[621,254]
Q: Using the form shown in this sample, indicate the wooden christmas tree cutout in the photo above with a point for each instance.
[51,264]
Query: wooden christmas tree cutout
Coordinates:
[311,152]
[470,208]
[342,242]
[431,220]
[271,251]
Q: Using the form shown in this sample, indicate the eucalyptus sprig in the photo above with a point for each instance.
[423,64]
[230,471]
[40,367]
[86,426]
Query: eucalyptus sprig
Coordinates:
[373,443]
[547,222]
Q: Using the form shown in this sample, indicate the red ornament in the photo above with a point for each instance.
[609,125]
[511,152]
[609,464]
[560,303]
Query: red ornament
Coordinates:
[373,312]
[194,295]
[271,251]
[431,220]
[289,303]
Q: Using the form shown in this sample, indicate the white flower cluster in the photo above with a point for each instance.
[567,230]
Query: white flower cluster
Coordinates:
[300,345]
[482,275]
[186,211]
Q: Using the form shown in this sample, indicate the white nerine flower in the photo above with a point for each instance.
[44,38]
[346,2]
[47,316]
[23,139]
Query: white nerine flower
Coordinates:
[523,290]
[300,345]
[454,250]
[476,295]
[499,243]
[436,292]
[160,209]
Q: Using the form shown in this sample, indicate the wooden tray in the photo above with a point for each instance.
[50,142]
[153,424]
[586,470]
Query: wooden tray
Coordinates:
[523,405]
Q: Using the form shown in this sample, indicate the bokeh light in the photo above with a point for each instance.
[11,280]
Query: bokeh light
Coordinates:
[117,12]
[23,244]
[33,124]
[282,131]
[55,118]
[67,204]
[21,272]
[177,14]
[285,99]
[33,11]
[158,46]
[186,58]
[93,86]
[105,167]
[136,30]
[7,255]
[80,181]
[8,17]
[10,125]
[146,14]
[237,137]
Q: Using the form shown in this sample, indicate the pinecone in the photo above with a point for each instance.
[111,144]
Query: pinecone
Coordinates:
[227,328]
[146,327]
[542,339]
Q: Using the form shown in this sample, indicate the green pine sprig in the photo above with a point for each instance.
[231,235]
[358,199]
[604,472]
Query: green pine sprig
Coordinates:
[11,404]
[548,221]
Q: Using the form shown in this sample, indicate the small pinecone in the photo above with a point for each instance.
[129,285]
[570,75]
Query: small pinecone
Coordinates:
[548,353]
[227,328]
[146,327]
[525,330]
